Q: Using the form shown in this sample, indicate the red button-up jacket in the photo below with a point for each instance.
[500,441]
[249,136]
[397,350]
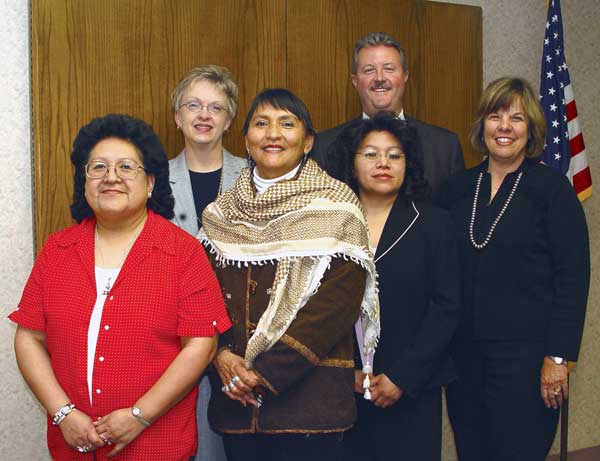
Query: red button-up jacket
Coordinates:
[166,289]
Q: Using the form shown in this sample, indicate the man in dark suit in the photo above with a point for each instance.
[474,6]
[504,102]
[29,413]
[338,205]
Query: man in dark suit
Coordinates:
[379,74]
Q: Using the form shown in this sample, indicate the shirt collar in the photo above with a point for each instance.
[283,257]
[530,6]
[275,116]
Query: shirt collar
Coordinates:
[399,115]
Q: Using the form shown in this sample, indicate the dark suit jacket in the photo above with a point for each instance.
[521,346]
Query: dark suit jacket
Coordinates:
[442,154]
[419,294]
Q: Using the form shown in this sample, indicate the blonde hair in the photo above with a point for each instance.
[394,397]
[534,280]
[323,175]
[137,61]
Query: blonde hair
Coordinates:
[502,93]
[220,76]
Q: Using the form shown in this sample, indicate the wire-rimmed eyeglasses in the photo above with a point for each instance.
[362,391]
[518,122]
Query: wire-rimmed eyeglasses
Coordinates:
[195,106]
[372,155]
[124,169]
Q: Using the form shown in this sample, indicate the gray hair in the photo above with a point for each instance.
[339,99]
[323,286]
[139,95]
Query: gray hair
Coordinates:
[218,75]
[377,39]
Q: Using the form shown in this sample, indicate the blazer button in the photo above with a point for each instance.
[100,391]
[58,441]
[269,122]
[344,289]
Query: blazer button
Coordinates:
[252,284]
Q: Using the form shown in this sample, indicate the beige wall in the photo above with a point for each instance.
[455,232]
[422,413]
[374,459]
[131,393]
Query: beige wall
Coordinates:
[512,34]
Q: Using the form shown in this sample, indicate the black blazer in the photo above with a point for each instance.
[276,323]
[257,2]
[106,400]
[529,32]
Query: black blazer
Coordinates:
[442,154]
[419,291]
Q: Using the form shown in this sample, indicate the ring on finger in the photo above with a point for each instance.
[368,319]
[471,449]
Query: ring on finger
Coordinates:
[227,387]
[235,379]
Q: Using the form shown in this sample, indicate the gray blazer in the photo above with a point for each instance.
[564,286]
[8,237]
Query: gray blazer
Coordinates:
[179,177]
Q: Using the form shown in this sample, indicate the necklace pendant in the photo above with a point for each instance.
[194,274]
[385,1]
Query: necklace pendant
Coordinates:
[107,287]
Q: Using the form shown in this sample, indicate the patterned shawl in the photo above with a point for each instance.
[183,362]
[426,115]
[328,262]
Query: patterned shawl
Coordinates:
[298,224]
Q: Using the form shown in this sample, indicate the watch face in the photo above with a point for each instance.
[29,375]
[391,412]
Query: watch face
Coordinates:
[135,411]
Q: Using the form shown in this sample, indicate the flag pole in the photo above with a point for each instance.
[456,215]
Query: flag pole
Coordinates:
[564,427]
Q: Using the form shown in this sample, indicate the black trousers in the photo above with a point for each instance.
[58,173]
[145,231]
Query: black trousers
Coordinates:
[409,430]
[284,447]
[495,408]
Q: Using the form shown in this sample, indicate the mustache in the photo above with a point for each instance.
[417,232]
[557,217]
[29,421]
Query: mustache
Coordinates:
[380,85]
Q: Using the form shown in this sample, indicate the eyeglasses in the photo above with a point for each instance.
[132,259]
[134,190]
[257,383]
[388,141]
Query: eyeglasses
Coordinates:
[124,169]
[392,156]
[214,107]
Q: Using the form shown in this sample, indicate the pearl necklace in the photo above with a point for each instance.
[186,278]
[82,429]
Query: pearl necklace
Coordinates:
[480,246]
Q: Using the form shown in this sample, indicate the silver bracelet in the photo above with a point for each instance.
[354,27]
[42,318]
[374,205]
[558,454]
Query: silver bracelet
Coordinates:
[62,413]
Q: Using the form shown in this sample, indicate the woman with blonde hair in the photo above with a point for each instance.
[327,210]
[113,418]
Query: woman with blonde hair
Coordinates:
[204,104]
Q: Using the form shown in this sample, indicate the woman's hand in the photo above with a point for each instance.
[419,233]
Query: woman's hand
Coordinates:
[384,392]
[554,383]
[232,370]
[79,432]
[120,428]
[359,377]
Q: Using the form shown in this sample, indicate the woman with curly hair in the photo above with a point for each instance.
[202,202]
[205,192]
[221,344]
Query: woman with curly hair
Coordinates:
[121,311]
[399,414]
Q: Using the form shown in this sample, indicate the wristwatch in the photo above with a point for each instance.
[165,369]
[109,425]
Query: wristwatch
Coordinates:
[135,411]
[558,360]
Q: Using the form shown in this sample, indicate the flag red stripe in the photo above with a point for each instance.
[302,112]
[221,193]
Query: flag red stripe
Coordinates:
[571,110]
[576,144]
[582,180]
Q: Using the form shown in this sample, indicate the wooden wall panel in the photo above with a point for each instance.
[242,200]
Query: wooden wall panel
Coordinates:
[443,43]
[94,57]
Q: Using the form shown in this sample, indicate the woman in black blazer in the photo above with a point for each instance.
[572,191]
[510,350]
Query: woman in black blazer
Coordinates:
[416,259]
[523,246]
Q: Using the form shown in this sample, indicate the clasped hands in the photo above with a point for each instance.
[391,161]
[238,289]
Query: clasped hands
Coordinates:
[238,381]
[119,427]
[383,391]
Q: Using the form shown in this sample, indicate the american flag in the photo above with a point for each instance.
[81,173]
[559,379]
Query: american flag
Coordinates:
[564,148]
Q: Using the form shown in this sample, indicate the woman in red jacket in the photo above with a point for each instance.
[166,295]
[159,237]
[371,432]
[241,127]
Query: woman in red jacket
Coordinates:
[121,311]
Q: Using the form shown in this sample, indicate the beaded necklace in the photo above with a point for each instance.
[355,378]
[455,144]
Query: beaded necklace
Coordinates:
[480,246]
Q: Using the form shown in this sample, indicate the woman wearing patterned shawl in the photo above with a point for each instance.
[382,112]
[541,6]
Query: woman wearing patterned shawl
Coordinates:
[290,248]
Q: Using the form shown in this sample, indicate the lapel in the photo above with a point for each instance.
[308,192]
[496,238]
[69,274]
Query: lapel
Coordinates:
[152,236]
[403,216]
[85,243]
[185,210]
[232,168]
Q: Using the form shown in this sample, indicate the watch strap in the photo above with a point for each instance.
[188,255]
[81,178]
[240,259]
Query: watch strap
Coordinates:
[135,411]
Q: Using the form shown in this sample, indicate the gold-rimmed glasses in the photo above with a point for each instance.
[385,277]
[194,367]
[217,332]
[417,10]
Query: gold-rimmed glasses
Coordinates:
[124,169]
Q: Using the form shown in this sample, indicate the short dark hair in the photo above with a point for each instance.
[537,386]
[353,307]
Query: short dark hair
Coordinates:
[138,133]
[281,98]
[341,154]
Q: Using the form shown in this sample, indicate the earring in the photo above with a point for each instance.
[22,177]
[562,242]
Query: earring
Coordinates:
[178,127]
[149,193]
